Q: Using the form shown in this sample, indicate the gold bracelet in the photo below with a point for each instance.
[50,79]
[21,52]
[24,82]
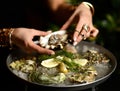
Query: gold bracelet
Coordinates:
[5,37]
[90,6]
[10,36]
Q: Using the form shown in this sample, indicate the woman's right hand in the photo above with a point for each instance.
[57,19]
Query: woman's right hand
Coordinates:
[23,38]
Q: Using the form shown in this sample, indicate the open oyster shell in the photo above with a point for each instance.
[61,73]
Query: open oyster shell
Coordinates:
[57,39]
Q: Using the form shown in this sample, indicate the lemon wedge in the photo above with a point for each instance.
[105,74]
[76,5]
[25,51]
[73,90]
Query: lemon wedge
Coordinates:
[81,62]
[49,63]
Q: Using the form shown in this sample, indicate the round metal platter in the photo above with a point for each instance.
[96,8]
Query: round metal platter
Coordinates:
[81,47]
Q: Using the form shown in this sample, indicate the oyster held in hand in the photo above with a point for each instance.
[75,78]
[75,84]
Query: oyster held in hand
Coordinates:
[57,39]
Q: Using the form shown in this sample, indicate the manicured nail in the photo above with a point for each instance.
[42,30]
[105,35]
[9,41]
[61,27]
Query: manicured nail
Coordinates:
[52,53]
[75,43]
[75,39]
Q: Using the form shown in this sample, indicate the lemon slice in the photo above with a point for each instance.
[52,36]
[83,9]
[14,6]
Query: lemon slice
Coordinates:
[49,63]
[81,62]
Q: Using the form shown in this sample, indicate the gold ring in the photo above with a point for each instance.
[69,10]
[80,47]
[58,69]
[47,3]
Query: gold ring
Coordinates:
[77,31]
[85,27]
[83,36]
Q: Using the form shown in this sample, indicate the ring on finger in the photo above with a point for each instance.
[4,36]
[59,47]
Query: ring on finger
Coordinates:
[85,27]
[83,36]
[77,31]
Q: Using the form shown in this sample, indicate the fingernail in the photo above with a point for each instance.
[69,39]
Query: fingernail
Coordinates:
[75,39]
[75,43]
[52,53]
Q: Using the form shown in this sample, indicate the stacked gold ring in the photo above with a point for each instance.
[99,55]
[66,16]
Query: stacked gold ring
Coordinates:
[85,27]
[77,31]
[83,36]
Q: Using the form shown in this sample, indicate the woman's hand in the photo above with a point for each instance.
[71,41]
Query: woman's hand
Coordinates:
[23,38]
[82,17]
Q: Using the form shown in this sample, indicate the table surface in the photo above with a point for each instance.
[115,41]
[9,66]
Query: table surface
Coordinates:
[9,82]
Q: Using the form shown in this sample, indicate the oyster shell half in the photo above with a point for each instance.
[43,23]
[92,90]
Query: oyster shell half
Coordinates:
[57,39]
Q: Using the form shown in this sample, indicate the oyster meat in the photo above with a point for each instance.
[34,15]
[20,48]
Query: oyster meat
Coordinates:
[57,39]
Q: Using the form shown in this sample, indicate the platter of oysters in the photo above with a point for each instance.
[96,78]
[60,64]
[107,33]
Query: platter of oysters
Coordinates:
[71,68]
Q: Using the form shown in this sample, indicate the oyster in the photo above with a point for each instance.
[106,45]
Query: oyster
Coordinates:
[57,39]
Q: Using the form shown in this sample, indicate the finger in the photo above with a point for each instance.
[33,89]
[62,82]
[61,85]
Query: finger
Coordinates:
[83,30]
[94,32]
[78,28]
[77,37]
[86,28]
[76,34]
[38,32]
[80,37]
[39,49]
